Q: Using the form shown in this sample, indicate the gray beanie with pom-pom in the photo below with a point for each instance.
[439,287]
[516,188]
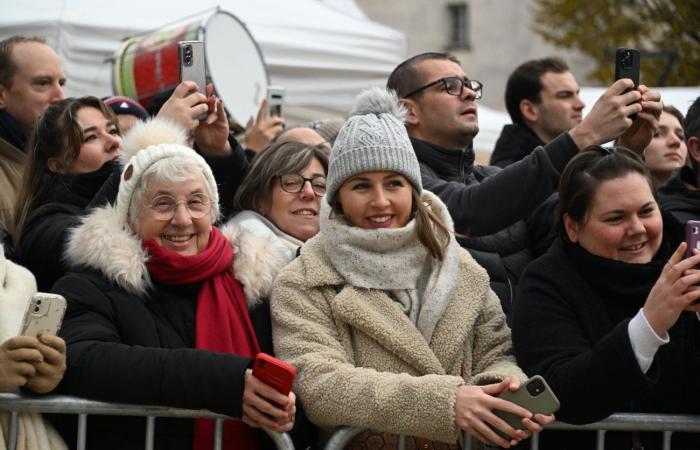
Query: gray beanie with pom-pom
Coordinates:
[374,138]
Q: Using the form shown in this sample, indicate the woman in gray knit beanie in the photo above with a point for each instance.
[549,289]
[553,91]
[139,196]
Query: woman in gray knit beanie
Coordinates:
[391,323]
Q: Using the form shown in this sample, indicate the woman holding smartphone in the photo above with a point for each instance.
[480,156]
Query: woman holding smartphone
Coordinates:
[391,324]
[607,314]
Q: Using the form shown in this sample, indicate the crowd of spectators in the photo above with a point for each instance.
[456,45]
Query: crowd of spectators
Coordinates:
[372,253]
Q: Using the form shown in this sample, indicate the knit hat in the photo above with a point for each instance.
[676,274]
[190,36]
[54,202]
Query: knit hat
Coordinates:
[328,129]
[124,105]
[374,138]
[147,143]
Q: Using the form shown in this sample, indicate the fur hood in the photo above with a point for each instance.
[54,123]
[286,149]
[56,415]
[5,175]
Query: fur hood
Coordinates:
[102,244]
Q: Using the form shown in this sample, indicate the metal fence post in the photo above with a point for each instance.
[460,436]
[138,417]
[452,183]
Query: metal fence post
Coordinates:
[14,424]
[150,432]
[82,431]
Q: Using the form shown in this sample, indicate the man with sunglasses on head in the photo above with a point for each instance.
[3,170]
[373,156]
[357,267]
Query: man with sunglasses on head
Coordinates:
[488,203]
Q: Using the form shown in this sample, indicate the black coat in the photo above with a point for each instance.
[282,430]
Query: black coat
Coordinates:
[514,143]
[489,204]
[44,235]
[570,325]
[126,349]
[675,198]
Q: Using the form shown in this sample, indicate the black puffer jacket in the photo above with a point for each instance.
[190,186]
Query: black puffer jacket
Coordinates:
[514,143]
[131,340]
[489,204]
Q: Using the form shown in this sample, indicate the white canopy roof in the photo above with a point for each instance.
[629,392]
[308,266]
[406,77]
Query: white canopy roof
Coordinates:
[322,55]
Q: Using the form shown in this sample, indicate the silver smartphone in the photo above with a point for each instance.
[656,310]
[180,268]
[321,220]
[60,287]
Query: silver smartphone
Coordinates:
[275,100]
[193,66]
[44,314]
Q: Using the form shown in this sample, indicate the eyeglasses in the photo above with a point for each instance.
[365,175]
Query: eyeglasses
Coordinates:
[453,86]
[294,183]
[165,206]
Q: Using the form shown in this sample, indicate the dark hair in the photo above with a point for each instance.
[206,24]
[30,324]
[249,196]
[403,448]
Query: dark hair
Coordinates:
[586,171]
[691,124]
[406,77]
[672,110]
[8,68]
[525,84]
[289,157]
[58,135]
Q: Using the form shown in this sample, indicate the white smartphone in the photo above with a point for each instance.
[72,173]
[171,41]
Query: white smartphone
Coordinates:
[44,314]
[275,100]
[193,66]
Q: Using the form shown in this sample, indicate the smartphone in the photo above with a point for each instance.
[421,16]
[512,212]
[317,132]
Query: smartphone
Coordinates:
[692,237]
[44,314]
[193,66]
[627,66]
[275,100]
[535,395]
[274,372]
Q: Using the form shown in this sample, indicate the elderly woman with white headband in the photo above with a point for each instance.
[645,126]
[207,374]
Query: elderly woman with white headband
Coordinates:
[391,323]
[160,311]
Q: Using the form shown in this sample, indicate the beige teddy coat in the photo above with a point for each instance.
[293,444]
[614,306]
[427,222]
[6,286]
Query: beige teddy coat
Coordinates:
[361,361]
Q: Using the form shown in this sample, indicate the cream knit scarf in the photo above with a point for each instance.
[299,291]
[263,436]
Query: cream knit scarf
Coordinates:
[394,260]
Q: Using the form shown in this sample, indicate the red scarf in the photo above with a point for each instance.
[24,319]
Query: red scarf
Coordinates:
[222,323]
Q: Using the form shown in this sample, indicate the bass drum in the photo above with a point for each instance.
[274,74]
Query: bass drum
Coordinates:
[147,66]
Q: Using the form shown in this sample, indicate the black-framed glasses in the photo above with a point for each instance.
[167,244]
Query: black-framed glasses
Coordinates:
[165,206]
[294,183]
[453,86]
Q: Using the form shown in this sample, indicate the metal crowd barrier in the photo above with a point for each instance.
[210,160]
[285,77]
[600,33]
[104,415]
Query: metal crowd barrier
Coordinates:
[663,423]
[61,404]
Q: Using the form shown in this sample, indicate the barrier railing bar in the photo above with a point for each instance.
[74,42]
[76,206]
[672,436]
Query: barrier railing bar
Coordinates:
[218,429]
[14,424]
[402,442]
[667,440]
[150,432]
[65,404]
[467,442]
[665,423]
[82,431]
[535,441]
[638,422]
[600,440]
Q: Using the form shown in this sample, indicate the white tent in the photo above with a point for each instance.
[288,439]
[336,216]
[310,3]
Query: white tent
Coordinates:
[322,56]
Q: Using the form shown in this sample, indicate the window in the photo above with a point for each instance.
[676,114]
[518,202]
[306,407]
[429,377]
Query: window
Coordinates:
[459,25]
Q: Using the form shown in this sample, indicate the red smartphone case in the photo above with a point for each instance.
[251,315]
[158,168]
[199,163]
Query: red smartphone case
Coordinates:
[274,372]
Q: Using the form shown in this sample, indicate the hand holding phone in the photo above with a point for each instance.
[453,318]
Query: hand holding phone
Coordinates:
[274,372]
[43,315]
[535,395]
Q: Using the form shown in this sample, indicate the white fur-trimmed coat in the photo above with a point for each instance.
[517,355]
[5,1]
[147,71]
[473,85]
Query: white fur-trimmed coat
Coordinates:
[100,243]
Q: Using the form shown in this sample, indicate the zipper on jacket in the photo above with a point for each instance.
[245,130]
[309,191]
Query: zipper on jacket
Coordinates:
[461,164]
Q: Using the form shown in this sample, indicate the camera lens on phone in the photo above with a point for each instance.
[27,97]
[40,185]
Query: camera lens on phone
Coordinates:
[535,387]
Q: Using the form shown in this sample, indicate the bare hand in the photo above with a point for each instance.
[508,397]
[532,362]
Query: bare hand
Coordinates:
[184,106]
[263,406]
[211,135]
[18,355]
[50,370]
[608,118]
[639,135]
[673,292]
[260,132]
[474,408]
